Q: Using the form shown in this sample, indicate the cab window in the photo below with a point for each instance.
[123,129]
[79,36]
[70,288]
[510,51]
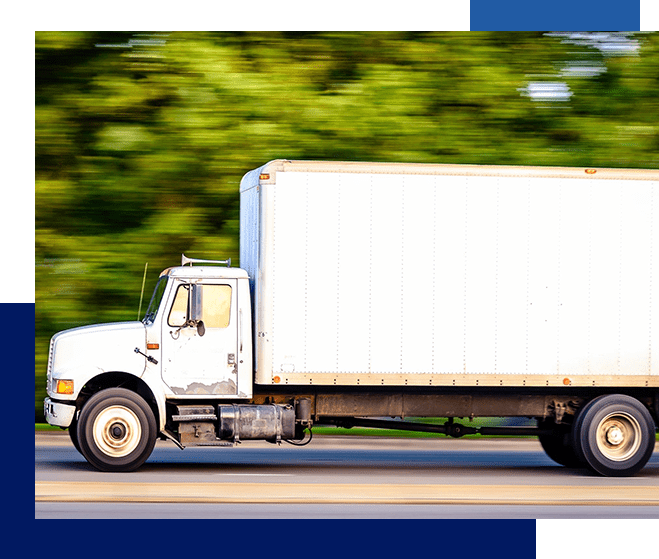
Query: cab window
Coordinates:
[179,311]
[216,304]
[214,301]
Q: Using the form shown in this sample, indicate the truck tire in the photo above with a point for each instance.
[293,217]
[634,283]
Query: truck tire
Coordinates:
[73,435]
[614,435]
[116,430]
[558,445]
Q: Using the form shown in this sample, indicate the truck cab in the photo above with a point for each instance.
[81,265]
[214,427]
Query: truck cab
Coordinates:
[198,330]
[193,345]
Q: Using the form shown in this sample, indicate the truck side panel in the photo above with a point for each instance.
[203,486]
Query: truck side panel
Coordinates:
[250,225]
[427,279]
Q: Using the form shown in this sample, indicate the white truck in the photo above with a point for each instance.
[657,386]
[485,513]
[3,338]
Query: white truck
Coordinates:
[370,293]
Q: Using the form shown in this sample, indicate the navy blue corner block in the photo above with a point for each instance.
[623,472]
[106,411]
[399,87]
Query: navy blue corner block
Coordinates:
[332,539]
[555,15]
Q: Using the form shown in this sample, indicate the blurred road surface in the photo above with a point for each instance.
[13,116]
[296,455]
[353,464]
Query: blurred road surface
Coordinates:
[348,477]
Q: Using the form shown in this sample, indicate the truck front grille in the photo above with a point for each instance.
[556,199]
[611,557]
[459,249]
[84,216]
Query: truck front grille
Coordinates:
[50,365]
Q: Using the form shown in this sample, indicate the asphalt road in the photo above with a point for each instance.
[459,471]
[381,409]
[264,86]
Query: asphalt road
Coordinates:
[346,477]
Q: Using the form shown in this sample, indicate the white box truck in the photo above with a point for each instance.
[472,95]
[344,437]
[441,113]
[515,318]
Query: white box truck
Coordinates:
[369,293]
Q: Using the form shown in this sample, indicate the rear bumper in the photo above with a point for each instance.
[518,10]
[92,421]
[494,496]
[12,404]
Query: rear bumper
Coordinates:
[57,413]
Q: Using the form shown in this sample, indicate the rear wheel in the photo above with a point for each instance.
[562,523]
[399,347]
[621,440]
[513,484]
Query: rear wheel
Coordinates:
[614,435]
[116,430]
[558,444]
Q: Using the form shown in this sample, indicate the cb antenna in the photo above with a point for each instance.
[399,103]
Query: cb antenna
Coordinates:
[139,310]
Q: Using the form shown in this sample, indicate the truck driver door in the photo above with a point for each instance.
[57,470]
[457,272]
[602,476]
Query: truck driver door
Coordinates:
[200,339]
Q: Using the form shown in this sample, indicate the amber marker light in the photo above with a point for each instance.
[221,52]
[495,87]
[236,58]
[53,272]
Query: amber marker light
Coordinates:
[591,171]
[264,176]
[64,387]
[276,379]
[153,346]
[566,381]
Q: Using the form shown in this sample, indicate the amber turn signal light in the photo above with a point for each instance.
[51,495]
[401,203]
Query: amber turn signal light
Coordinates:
[64,387]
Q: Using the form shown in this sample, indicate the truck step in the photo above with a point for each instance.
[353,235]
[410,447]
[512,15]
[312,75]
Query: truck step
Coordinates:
[195,413]
[198,417]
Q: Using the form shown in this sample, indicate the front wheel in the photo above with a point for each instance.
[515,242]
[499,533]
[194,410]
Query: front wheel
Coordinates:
[614,435]
[116,430]
[73,434]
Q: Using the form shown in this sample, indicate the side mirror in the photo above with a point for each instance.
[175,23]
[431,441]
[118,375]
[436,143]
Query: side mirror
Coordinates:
[196,308]
[196,303]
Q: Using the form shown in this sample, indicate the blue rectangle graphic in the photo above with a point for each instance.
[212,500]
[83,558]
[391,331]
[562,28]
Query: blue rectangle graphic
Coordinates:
[555,15]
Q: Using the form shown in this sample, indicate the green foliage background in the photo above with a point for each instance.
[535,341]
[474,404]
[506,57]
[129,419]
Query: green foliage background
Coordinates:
[142,138]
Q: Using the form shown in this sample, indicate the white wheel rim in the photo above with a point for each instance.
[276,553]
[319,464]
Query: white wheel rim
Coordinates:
[117,431]
[618,436]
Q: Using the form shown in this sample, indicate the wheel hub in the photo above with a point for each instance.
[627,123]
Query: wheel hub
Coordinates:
[117,431]
[618,436]
[615,436]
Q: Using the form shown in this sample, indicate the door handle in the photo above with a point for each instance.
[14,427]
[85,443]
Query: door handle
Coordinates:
[240,330]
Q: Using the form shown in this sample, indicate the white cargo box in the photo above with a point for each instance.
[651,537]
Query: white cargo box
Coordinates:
[446,275]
